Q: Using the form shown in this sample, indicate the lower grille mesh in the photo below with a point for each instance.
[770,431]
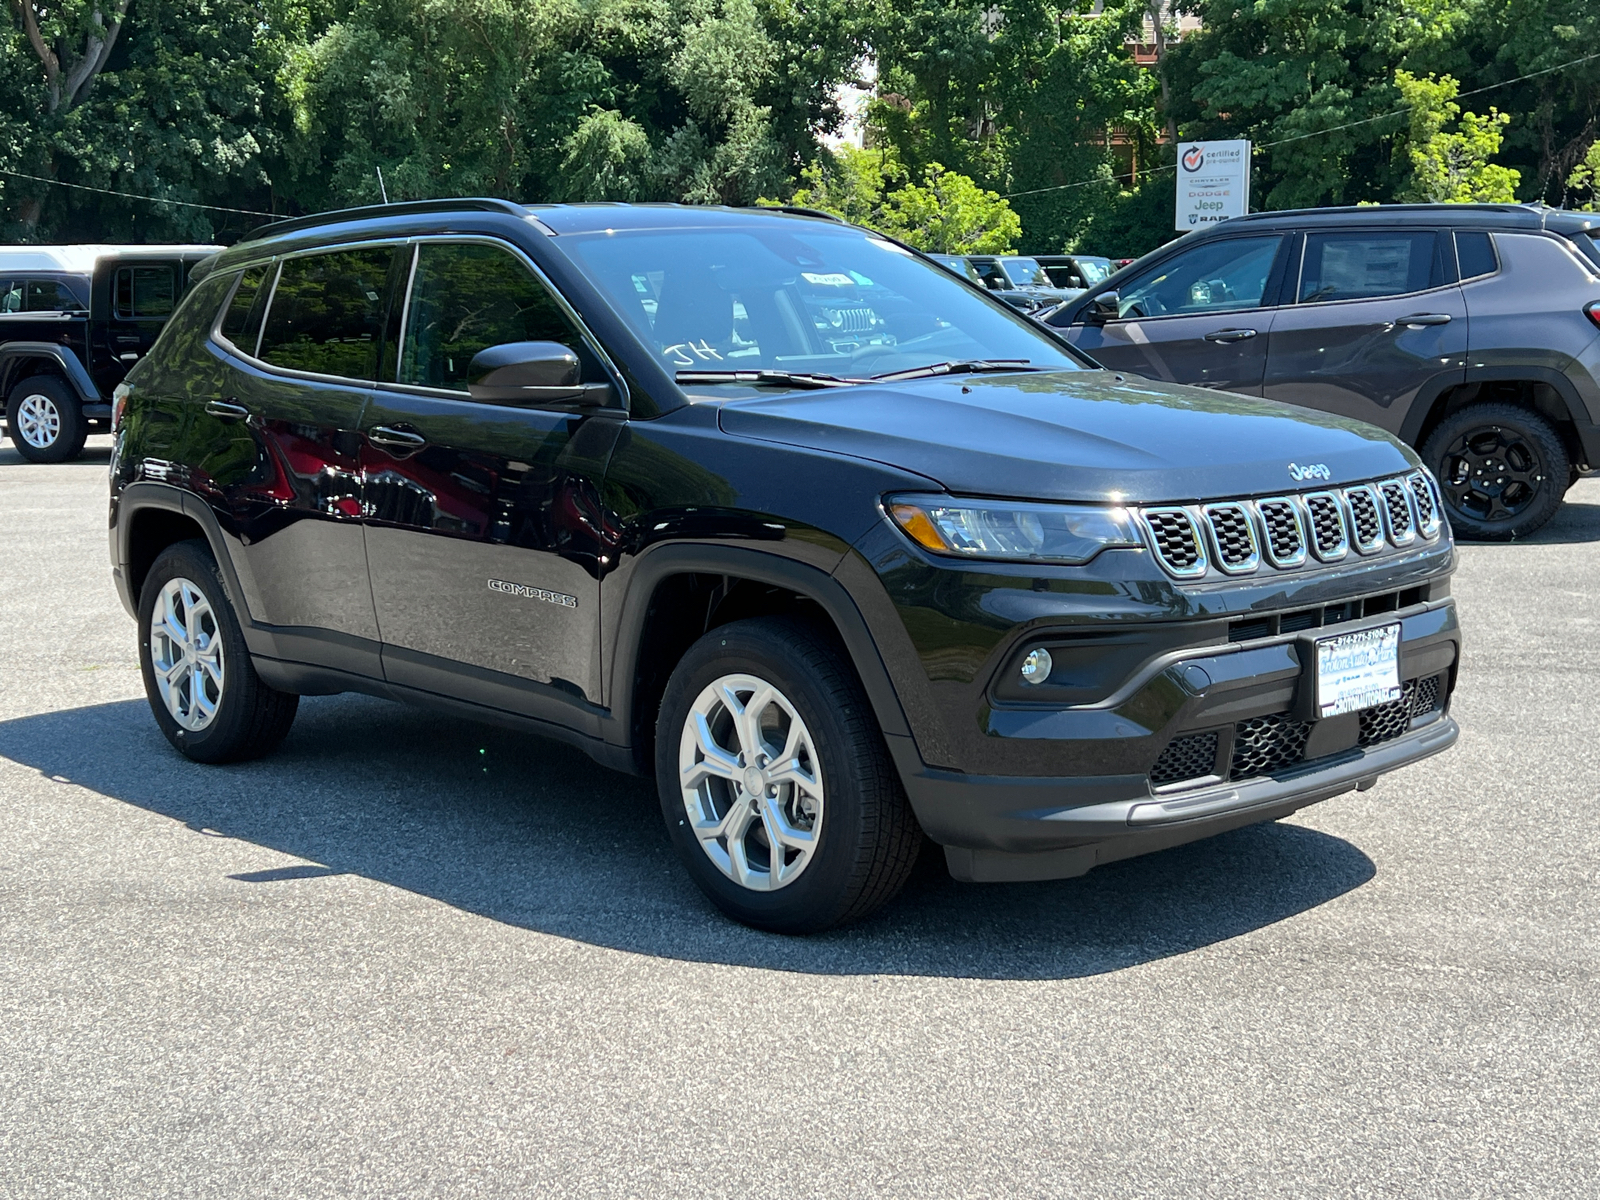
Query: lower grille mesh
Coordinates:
[1188,757]
[1264,744]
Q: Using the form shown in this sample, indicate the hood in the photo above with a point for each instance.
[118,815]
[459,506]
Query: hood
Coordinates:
[1075,435]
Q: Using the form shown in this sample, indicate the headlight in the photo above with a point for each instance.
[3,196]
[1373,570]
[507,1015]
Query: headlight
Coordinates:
[1058,533]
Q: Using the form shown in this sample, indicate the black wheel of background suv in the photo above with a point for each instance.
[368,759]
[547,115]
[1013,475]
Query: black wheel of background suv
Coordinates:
[775,781]
[1502,470]
[45,421]
[202,687]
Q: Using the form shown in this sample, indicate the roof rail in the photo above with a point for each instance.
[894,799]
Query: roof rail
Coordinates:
[795,210]
[402,209]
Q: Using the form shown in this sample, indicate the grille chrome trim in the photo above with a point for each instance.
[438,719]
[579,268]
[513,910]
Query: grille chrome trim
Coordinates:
[1336,550]
[1160,524]
[1271,511]
[1425,503]
[1399,515]
[1222,542]
[1366,511]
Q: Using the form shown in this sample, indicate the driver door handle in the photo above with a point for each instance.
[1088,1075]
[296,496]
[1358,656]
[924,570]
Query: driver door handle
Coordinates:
[395,438]
[1417,320]
[228,410]
[1231,335]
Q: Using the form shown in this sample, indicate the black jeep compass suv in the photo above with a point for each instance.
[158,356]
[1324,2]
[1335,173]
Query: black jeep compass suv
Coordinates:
[839,548]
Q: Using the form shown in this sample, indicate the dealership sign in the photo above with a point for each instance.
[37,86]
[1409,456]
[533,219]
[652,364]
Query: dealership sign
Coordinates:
[1213,182]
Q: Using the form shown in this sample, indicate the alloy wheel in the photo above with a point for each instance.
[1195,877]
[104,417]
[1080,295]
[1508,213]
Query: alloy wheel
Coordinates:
[1491,473]
[186,654]
[38,421]
[752,783]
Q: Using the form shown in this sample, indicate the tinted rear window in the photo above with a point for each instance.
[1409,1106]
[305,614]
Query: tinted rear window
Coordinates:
[146,293]
[326,314]
[1475,252]
[241,323]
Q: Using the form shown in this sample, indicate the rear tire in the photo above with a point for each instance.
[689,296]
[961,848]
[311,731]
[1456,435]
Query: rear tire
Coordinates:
[198,677]
[1502,471]
[45,420]
[767,722]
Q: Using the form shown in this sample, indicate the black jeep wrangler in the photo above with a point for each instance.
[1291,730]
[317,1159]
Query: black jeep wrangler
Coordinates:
[73,319]
[838,548]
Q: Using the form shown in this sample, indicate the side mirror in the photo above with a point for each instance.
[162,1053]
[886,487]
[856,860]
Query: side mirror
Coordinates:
[1104,307]
[532,373]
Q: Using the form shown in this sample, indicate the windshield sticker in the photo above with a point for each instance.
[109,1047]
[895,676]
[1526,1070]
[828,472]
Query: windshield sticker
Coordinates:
[833,280]
[686,354]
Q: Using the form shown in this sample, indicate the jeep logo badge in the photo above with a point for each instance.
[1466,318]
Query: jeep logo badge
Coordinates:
[1310,471]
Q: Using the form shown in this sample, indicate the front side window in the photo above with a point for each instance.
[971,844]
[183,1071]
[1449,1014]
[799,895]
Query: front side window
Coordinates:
[1366,266]
[144,293]
[811,298]
[1220,276]
[468,297]
[10,296]
[326,314]
[51,295]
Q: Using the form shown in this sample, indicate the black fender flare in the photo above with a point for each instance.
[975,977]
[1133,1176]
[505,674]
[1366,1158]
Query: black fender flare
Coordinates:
[1417,418]
[143,495]
[63,356]
[815,584]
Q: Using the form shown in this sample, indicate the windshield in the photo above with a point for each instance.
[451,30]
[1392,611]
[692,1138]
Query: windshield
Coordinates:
[1025,272]
[1094,270]
[830,300]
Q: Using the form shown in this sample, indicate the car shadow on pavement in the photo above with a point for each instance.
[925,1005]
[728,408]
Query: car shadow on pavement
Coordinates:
[532,834]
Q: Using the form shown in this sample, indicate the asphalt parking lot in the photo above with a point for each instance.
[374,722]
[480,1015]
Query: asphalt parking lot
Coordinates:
[412,957]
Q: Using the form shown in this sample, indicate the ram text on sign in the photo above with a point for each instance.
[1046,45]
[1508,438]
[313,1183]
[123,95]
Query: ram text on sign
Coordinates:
[1213,182]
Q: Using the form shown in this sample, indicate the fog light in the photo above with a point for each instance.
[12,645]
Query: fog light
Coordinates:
[1036,666]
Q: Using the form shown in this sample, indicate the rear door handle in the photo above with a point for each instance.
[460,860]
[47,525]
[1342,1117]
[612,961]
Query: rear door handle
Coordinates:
[228,410]
[1417,320]
[1231,335]
[394,438]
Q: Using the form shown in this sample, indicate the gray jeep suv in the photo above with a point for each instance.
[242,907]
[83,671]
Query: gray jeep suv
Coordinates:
[1471,331]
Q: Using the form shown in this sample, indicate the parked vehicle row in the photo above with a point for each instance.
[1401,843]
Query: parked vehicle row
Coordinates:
[1031,285]
[73,320]
[1469,331]
[841,550]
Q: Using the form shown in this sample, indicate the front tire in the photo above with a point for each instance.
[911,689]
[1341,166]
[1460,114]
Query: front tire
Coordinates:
[45,421]
[198,677]
[775,782]
[1502,471]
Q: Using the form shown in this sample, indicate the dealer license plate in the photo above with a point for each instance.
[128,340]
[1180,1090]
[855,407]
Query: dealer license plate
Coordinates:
[1358,670]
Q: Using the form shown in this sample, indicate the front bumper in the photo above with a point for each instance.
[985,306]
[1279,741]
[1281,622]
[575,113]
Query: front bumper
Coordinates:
[1035,826]
[1012,829]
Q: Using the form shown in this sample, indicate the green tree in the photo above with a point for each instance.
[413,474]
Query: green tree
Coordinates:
[1311,82]
[1450,167]
[160,98]
[1584,182]
[946,213]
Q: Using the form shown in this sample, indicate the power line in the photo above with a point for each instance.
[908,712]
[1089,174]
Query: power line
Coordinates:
[80,187]
[1300,137]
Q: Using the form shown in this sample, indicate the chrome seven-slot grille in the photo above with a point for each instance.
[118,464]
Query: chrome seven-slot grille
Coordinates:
[1237,536]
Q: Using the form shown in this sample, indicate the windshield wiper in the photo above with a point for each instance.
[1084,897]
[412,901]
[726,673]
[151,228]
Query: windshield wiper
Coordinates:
[795,379]
[962,366]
